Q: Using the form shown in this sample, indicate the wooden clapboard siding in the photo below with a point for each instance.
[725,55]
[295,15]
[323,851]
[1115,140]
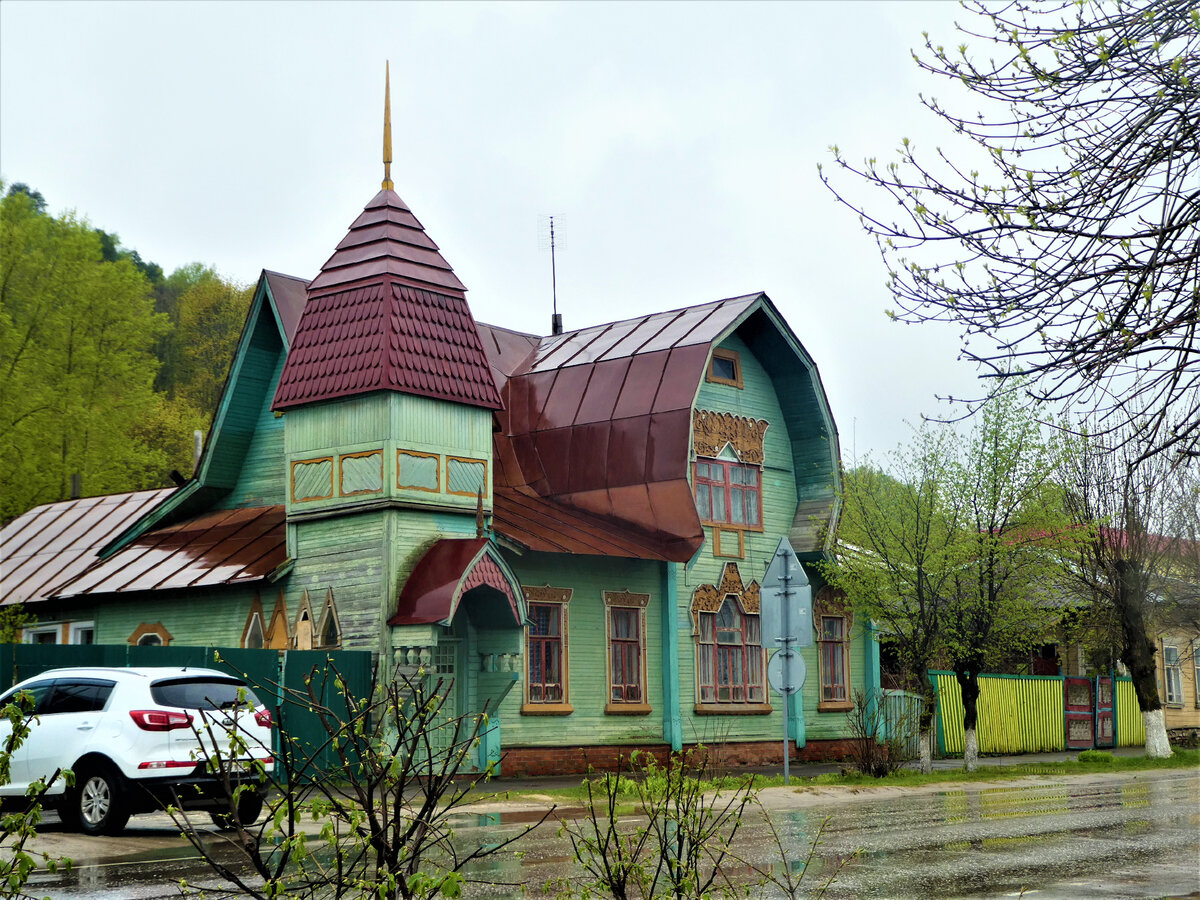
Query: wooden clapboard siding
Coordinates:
[759,398]
[246,402]
[389,422]
[587,649]
[262,480]
[349,554]
[209,616]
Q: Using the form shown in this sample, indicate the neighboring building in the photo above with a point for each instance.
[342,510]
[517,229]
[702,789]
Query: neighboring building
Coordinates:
[572,526]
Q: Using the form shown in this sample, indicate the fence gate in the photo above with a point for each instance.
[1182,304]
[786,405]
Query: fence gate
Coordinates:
[1105,732]
[1078,710]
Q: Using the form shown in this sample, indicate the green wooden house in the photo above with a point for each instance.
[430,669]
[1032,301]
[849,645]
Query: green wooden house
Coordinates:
[571,527]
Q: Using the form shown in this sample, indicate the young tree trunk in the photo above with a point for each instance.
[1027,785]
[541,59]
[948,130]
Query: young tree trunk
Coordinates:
[1138,655]
[924,687]
[968,682]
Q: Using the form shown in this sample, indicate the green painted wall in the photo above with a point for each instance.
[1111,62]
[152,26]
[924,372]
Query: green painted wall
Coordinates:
[214,616]
[589,577]
[262,478]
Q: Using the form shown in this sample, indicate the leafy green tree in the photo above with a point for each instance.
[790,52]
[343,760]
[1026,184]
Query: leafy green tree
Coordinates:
[212,312]
[896,554]
[1011,530]
[1060,233]
[953,551]
[76,362]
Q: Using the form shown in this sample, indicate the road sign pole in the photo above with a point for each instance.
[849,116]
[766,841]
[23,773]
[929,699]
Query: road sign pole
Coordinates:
[786,631]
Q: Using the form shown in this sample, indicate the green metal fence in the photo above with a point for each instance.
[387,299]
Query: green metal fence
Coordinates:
[272,674]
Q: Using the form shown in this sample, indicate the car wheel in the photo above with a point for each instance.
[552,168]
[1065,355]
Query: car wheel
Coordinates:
[97,804]
[249,808]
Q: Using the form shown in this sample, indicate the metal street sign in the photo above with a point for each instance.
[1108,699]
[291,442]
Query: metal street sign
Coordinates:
[786,601]
[786,672]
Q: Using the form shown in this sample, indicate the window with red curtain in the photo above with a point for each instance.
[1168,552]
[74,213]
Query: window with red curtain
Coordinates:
[545,653]
[729,655]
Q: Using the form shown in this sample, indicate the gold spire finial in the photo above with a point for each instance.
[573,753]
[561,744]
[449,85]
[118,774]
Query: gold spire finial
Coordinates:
[387,128]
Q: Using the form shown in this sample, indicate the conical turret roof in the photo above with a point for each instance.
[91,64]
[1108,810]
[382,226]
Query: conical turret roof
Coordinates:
[386,312]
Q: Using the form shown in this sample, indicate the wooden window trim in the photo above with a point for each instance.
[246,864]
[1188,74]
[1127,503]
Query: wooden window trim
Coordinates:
[437,471]
[734,357]
[146,628]
[560,597]
[467,459]
[342,492]
[732,709]
[306,462]
[256,611]
[833,705]
[716,705]
[719,549]
[638,602]
[727,488]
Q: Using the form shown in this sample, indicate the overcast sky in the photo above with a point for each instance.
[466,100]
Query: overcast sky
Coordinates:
[678,144]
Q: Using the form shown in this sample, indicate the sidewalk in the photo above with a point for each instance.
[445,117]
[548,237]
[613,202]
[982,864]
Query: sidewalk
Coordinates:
[802,770]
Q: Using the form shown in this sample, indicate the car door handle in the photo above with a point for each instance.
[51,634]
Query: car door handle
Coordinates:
[85,726]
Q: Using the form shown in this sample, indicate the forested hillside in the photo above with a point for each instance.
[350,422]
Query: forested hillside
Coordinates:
[106,366]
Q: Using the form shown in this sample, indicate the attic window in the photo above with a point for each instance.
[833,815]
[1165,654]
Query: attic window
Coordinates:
[725,367]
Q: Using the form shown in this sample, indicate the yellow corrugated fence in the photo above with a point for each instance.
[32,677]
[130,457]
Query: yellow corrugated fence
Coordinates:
[1131,730]
[1016,714]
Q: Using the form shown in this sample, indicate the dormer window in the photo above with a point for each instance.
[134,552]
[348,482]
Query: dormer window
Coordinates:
[725,367]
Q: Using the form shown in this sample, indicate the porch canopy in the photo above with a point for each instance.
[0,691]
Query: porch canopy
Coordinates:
[453,571]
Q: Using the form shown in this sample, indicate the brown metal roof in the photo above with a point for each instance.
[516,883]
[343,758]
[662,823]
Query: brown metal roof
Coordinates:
[51,544]
[599,421]
[386,313]
[387,239]
[290,295]
[227,546]
[450,569]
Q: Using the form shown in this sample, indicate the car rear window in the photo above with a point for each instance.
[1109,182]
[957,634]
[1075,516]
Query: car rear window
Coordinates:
[202,693]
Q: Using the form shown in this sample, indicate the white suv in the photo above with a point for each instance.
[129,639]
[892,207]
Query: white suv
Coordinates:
[137,740]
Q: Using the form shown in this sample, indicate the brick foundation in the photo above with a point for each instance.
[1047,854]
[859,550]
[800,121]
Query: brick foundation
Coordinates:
[733,755]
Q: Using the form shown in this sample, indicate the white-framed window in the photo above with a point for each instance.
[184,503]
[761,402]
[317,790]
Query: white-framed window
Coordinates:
[83,632]
[43,634]
[1172,675]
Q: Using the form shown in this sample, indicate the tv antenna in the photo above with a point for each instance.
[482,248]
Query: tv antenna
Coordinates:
[550,237]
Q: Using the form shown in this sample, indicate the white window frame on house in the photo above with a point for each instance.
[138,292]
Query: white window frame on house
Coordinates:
[626,604]
[77,628]
[1173,693]
[29,633]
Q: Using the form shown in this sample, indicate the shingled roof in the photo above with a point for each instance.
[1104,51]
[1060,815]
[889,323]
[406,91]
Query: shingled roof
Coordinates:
[386,313]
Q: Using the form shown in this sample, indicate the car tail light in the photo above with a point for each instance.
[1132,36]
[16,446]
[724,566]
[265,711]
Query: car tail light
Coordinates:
[263,718]
[169,764]
[160,719]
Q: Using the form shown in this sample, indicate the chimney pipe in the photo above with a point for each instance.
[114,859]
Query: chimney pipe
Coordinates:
[198,437]
[556,323]
[76,486]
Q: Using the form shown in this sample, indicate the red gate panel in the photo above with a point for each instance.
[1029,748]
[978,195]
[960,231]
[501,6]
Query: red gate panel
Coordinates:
[1077,701]
[1105,732]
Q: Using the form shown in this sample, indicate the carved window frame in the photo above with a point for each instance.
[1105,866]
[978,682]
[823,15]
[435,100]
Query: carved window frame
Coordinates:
[559,598]
[342,492]
[417,454]
[626,600]
[707,600]
[309,462]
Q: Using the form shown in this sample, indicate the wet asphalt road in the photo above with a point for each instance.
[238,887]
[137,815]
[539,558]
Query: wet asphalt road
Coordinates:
[1115,836]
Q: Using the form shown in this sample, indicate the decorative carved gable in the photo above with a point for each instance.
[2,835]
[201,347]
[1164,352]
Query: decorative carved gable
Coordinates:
[712,431]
